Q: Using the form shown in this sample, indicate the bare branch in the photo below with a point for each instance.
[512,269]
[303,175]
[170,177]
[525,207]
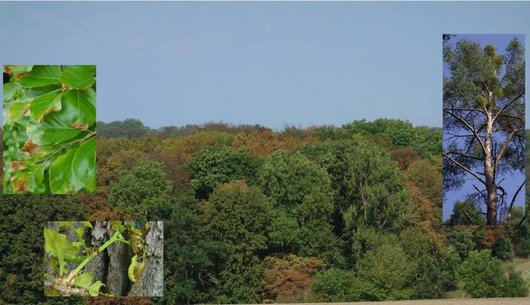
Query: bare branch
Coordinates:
[465,155]
[507,105]
[477,136]
[470,219]
[505,146]
[465,168]
[480,192]
[513,200]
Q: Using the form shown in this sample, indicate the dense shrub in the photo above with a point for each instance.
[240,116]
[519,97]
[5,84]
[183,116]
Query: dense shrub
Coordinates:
[484,276]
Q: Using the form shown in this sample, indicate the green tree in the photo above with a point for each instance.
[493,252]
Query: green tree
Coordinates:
[398,132]
[378,193]
[484,276]
[461,241]
[217,165]
[129,128]
[188,249]
[466,213]
[140,189]
[22,219]
[388,273]
[437,274]
[435,271]
[502,249]
[301,194]
[337,285]
[483,106]
[237,217]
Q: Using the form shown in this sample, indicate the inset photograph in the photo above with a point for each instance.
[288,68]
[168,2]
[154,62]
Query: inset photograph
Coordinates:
[104,258]
[483,128]
[49,129]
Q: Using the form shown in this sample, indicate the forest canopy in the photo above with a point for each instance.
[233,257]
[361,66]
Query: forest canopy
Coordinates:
[254,215]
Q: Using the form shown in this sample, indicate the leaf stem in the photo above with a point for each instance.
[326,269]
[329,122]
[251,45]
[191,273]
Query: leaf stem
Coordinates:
[117,237]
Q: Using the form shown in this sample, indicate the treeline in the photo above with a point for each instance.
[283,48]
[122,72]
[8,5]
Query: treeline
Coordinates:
[253,215]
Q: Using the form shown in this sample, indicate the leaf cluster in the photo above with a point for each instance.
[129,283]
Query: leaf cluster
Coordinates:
[49,129]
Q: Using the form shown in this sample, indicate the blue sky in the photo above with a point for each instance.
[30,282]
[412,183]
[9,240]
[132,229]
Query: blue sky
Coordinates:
[260,63]
[512,179]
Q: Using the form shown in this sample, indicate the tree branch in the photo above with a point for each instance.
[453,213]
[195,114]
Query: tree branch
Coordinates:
[468,127]
[505,146]
[465,155]
[513,201]
[507,105]
[465,168]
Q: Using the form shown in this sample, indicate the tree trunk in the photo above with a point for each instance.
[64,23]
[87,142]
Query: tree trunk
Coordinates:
[111,265]
[489,172]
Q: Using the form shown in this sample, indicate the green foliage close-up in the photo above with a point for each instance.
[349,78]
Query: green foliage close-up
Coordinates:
[49,114]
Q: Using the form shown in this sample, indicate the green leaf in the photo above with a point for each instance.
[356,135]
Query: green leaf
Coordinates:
[84,280]
[62,176]
[93,290]
[38,91]
[84,164]
[75,170]
[15,111]
[57,245]
[10,90]
[41,76]
[79,107]
[16,69]
[74,259]
[35,179]
[132,267]
[79,77]
[52,130]
[44,105]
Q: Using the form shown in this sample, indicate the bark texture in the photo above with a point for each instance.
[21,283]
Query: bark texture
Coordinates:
[111,265]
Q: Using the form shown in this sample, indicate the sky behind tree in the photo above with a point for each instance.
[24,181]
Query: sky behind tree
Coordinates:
[273,64]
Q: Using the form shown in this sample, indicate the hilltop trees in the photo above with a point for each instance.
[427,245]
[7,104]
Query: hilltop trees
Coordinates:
[483,107]
[237,218]
[216,165]
[301,194]
[254,216]
[140,189]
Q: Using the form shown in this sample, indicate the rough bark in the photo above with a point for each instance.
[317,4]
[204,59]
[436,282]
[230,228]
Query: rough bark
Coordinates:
[489,172]
[111,266]
[151,282]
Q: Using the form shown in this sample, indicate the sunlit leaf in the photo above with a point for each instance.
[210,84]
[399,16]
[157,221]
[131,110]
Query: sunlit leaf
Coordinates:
[16,69]
[45,104]
[75,170]
[93,290]
[15,111]
[41,76]
[62,176]
[79,107]
[10,90]
[84,164]
[79,77]
[52,130]
[84,280]
[49,129]
[57,245]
